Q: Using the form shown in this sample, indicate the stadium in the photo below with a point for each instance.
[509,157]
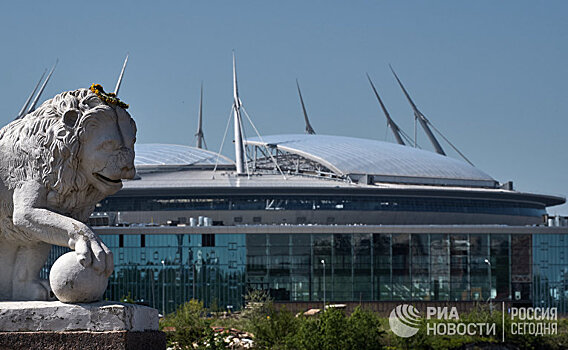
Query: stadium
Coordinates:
[377,221]
[319,218]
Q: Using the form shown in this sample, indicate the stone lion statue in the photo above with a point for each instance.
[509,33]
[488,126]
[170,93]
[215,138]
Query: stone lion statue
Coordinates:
[55,165]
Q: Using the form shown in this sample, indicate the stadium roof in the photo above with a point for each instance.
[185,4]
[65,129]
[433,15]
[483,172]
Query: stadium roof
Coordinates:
[175,168]
[195,182]
[386,162]
[159,155]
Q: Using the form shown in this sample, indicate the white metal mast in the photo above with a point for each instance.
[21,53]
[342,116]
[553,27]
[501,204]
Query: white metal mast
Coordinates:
[309,129]
[425,125]
[391,124]
[199,134]
[27,103]
[36,99]
[239,147]
[421,119]
[120,76]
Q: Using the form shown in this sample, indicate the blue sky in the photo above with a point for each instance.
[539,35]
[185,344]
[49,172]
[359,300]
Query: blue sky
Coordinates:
[491,75]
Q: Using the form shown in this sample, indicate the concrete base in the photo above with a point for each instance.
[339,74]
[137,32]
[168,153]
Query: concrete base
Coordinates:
[113,340]
[102,325]
[25,316]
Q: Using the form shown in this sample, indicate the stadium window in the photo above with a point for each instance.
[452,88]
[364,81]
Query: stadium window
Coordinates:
[142,241]
[208,240]
[238,219]
[120,241]
[256,219]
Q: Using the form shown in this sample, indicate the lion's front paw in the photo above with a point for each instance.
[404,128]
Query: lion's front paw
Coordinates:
[93,251]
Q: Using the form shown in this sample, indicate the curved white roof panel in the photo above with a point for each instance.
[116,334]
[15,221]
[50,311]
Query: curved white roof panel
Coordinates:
[384,161]
[155,154]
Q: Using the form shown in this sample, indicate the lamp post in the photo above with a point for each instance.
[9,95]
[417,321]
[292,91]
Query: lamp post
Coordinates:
[163,288]
[323,263]
[490,284]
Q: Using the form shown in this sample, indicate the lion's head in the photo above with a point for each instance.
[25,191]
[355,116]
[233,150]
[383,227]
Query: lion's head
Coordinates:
[78,146]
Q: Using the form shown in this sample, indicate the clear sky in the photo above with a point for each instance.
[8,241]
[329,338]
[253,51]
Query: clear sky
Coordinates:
[491,75]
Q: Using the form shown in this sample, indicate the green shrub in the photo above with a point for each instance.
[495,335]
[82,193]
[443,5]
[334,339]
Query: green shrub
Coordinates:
[334,330]
[274,330]
[364,330]
[190,325]
[257,304]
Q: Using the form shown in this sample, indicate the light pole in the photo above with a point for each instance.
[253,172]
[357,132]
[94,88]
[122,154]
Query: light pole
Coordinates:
[163,288]
[323,263]
[490,284]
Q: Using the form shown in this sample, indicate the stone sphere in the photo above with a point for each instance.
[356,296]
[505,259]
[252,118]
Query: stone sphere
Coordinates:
[71,282]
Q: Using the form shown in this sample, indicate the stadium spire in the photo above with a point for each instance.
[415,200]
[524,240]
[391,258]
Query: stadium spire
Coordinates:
[36,99]
[239,147]
[395,129]
[420,117]
[199,134]
[27,103]
[121,75]
[309,129]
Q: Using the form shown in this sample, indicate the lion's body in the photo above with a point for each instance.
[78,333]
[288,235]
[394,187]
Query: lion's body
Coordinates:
[53,170]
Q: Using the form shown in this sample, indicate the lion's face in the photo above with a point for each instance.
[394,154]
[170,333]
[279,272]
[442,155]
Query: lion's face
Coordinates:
[107,149]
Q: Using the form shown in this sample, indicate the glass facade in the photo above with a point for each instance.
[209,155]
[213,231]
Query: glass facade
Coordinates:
[165,270]
[550,275]
[339,202]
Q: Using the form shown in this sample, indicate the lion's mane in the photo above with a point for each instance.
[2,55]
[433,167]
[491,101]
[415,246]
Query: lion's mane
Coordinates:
[42,147]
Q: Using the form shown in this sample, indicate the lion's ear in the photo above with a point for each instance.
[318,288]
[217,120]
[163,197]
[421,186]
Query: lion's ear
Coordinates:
[70,117]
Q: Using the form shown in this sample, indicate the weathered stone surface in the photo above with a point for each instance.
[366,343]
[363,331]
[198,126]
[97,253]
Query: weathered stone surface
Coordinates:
[34,316]
[72,282]
[110,340]
[55,165]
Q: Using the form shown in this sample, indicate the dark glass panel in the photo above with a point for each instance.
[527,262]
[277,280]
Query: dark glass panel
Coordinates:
[521,266]
[291,202]
[439,266]
[500,266]
[401,267]
[479,272]
[321,244]
[382,266]
[420,268]
[362,267]
[342,268]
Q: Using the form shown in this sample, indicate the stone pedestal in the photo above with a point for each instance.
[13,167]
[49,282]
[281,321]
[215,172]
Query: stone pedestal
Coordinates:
[55,325]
